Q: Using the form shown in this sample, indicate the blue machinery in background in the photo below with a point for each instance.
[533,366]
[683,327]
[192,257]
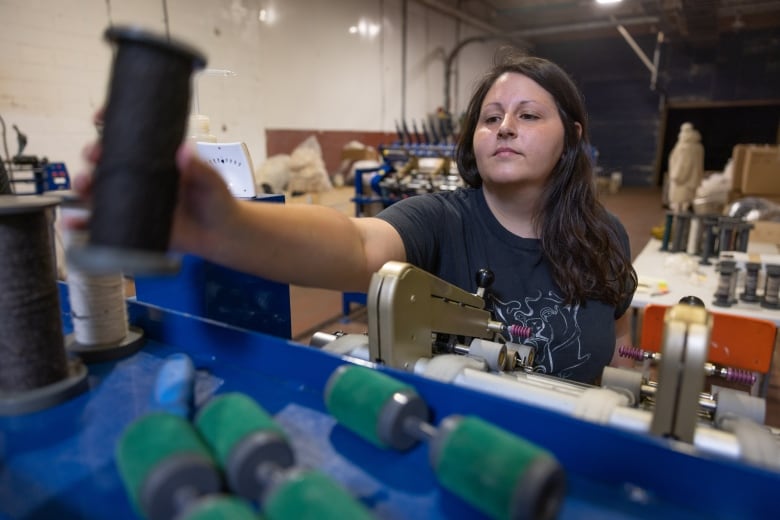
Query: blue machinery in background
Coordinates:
[400,175]
[59,463]
[30,174]
[215,292]
[37,176]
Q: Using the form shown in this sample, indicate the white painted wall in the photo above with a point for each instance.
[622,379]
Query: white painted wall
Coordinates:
[303,71]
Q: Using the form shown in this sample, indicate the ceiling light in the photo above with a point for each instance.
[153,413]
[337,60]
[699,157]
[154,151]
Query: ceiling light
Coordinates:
[365,28]
[608,1]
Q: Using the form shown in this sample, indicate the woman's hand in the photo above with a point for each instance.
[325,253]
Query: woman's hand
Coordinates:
[205,206]
[77,219]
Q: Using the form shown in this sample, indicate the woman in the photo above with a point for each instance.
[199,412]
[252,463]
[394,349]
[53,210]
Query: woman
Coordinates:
[561,263]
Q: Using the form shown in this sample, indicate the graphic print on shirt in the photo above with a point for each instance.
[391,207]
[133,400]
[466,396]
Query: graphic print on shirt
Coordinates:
[551,323]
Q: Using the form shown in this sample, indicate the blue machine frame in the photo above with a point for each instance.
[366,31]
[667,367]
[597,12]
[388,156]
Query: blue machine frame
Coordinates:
[215,292]
[59,463]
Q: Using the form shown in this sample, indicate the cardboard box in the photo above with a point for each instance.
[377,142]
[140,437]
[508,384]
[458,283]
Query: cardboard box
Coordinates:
[359,154]
[738,154]
[761,171]
[733,195]
[765,231]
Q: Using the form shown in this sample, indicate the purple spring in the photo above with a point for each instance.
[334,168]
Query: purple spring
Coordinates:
[740,376]
[635,353]
[519,331]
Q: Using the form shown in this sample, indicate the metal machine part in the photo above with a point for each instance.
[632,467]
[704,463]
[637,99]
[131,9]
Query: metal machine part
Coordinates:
[736,375]
[408,308]
[234,164]
[407,305]
[353,345]
[711,406]
[614,406]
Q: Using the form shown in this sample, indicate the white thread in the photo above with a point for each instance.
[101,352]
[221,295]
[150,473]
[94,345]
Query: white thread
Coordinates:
[97,302]
[98,308]
[694,236]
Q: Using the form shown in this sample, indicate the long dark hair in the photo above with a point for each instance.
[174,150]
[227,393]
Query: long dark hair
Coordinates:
[574,227]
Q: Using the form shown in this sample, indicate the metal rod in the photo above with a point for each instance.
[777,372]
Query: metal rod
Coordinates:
[632,43]
[582,26]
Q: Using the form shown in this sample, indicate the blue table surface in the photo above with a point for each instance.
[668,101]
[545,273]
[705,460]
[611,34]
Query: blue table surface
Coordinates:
[59,463]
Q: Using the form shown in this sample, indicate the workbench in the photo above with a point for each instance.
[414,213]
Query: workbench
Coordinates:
[685,276]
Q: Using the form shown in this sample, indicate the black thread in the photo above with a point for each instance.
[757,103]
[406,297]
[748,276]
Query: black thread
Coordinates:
[32,352]
[136,179]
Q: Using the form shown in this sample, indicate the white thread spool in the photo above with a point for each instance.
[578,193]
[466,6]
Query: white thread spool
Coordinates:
[98,306]
[694,236]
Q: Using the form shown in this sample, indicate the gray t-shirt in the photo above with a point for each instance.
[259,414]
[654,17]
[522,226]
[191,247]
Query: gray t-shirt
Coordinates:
[453,235]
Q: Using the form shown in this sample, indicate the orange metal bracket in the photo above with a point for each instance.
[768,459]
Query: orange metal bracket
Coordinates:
[736,341]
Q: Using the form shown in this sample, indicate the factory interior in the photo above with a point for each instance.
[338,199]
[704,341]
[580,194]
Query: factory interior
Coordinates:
[222,295]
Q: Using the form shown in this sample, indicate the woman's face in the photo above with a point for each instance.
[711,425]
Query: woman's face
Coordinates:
[519,135]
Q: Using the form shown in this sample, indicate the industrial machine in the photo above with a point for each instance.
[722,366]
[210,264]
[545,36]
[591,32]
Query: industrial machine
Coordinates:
[234,164]
[31,174]
[64,461]
[406,170]
[414,316]
[431,414]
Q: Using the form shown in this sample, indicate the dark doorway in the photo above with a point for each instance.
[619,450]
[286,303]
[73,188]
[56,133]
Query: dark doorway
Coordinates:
[722,125]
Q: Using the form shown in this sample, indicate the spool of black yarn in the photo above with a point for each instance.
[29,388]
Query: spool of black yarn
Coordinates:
[35,371]
[136,179]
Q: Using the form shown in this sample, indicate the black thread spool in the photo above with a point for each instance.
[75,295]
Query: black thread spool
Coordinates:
[723,294]
[771,299]
[710,239]
[728,230]
[668,219]
[743,236]
[136,179]
[751,282]
[680,229]
[35,371]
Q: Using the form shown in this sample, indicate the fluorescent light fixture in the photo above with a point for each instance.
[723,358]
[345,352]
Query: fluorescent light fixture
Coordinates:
[603,2]
[267,15]
[366,29]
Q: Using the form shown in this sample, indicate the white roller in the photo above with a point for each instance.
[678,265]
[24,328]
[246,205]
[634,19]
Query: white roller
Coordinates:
[354,345]
[734,403]
[447,367]
[492,352]
[598,404]
[623,379]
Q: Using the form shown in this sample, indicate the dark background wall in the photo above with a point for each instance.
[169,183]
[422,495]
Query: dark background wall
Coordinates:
[729,89]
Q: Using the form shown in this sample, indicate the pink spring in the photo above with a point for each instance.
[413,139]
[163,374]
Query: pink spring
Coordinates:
[519,331]
[740,376]
[635,353]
